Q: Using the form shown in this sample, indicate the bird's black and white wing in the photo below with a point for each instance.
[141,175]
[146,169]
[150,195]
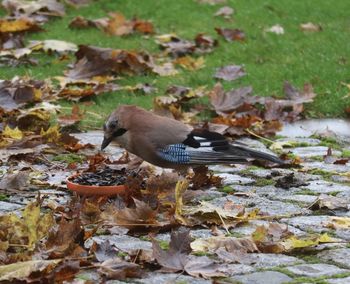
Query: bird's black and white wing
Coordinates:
[203,147]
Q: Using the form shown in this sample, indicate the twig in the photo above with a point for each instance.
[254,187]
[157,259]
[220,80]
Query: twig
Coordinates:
[222,220]
[258,136]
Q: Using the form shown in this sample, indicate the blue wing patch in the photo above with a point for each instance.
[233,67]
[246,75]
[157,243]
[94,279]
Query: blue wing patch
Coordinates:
[175,153]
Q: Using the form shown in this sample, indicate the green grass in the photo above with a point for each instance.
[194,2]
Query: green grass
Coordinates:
[321,58]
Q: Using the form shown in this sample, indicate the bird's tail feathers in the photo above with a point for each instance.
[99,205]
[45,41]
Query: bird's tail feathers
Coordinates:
[245,152]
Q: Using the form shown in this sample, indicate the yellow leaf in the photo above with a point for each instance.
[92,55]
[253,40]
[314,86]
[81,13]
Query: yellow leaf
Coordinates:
[15,26]
[12,133]
[293,242]
[278,146]
[339,223]
[21,270]
[259,234]
[167,69]
[52,134]
[29,229]
[165,38]
[190,63]
[37,94]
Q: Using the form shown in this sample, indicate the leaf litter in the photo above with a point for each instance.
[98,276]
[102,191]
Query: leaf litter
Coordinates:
[49,238]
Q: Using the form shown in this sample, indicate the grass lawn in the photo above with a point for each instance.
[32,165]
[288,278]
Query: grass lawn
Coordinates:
[321,58]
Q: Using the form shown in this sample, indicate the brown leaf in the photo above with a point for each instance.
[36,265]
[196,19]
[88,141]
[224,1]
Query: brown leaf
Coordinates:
[64,238]
[230,244]
[17,92]
[226,12]
[203,177]
[37,10]
[226,102]
[176,257]
[22,270]
[15,181]
[325,201]
[203,267]
[231,34]
[230,72]
[95,61]
[142,215]
[205,43]
[269,239]
[177,47]
[117,269]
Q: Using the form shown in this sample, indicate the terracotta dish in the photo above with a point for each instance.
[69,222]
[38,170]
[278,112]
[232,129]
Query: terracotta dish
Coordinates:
[94,190]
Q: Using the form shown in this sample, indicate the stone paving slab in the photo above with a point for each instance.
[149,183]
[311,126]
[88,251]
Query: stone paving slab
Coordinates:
[271,277]
[316,270]
[338,256]
[345,280]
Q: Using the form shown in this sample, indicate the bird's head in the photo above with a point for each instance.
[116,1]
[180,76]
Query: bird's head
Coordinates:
[112,128]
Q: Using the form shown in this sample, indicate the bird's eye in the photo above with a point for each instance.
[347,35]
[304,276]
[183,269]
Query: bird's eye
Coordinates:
[113,124]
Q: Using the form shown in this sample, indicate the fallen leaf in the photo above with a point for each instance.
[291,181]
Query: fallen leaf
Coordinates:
[338,223]
[294,242]
[226,102]
[22,270]
[310,27]
[190,63]
[211,2]
[203,178]
[231,34]
[230,244]
[225,12]
[209,213]
[95,61]
[229,73]
[289,181]
[175,258]
[276,29]
[142,215]
[49,45]
[19,25]
[17,180]
[166,69]
[205,43]
[28,229]
[38,10]
[12,133]
[118,269]
[203,267]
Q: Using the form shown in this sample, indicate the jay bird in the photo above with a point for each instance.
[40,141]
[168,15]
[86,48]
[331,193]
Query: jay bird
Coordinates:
[169,143]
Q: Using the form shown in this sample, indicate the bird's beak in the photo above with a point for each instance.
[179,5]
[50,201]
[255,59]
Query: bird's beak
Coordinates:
[106,141]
